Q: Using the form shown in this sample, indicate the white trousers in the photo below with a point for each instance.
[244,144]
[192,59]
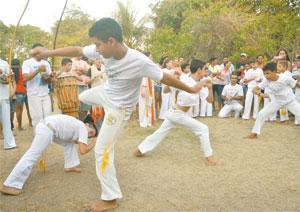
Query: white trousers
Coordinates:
[39,108]
[9,139]
[174,116]
[273,116]
[248,104]
[205,108]
[195,110]
[234,106]
[293,107]
[145,113]
[166,104]
[113,124]
[284,114]
[43,137]
[297,94]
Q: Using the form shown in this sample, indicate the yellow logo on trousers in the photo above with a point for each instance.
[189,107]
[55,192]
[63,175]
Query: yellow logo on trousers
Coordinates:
[110,120]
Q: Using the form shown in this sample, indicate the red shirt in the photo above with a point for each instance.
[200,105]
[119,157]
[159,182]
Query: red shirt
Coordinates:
[20,88]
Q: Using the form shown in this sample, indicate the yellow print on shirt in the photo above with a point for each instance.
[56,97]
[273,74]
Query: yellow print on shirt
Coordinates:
[110,120]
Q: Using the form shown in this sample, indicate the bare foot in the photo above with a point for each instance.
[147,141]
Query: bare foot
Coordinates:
[251,136]
[10,190]
[285,122]
[73,169]
[102,205]
[210,161]
[137,153]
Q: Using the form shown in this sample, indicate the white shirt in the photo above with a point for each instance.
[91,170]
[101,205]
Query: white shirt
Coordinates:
[185,98]
[281,89]
[4,88]
[256,74]
[214,70]
[232,90]
[67,129]
[36,87]
[125,75]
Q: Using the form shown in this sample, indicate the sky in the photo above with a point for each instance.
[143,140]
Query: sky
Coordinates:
[43,13]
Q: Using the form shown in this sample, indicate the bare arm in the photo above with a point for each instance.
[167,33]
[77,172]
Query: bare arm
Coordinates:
[85,148]
[256,90]
[172,81]
[71,51]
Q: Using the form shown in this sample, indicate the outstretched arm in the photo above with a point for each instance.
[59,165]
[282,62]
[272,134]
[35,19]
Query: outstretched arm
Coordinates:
[72,51]
[172,81]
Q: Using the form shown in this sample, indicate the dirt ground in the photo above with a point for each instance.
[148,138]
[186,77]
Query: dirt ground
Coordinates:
[261,175]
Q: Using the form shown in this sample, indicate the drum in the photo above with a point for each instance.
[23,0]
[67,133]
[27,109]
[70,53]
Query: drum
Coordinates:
[66,90]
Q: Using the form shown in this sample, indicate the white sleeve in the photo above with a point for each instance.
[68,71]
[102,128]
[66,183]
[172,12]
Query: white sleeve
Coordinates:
[224,92]
[263,84]
[83,135]
[240,91]
[291,82]
[152,70]
[90,52]
[25,68]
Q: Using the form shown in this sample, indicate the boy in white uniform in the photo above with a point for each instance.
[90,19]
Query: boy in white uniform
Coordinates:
[205,106]
[64,130]
[252,77]
[36,72]
[232,94]
[281,94]
[179,115]
[118,96]
[9,140]
[282,66]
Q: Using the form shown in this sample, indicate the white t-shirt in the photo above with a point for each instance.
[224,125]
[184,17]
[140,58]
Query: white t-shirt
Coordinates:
[257,74]
[125,76]
[185,98]
[232,90]
[36,87]
[214,70]
[67,129]
[4,88]
[287,73]
[280,90]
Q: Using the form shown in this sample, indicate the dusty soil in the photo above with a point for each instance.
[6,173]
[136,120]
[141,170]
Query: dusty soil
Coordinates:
[261,175]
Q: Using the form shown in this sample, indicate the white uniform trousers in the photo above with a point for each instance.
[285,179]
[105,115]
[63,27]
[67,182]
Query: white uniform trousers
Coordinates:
[114,121]
[9,140]
[273,116]
[145,116]
[297,94]
[248,104]
[174,116]
[234,106]
[284,114]
[205,108]
[166,104]
[194,111]
[293,107]
[39,108]
[43,137]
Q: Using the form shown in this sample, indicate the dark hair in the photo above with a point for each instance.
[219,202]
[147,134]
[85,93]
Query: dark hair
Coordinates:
[184,65]
[260,55]
[212,59]
[162,59]
[252,60]
[287,55]
[106,28]
[165,62]
[283,63]
[65,61]
[89,120]
[15,68]
[36,45]
[270,67]
[196,64]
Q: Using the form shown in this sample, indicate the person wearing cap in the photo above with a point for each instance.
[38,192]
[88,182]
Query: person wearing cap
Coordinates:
[64,130]
[179,115]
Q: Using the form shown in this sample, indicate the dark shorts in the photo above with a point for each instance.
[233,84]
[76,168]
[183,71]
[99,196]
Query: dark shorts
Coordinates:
[21,98]
[13,105]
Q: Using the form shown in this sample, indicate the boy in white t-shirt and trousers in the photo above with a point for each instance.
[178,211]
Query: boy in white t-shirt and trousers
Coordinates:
[252,77]
[282,66]
[205,106]
[296,75]
[281,93]
[232,95]
[64,130]
[118,96]
[37,75]
[9,140]
[179,115]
